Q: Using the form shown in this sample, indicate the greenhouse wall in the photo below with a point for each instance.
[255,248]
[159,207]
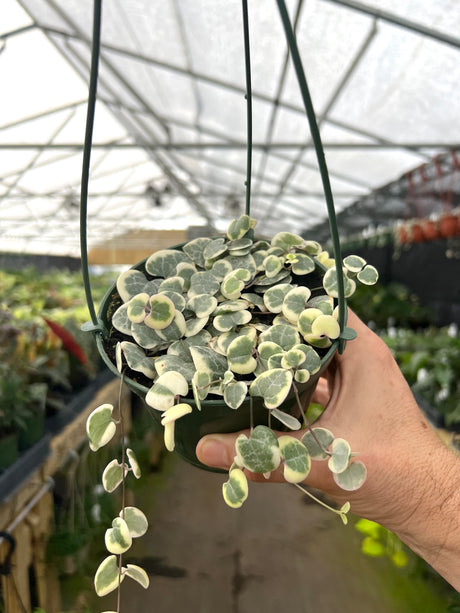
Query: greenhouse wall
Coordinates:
[429,269]
[18,261]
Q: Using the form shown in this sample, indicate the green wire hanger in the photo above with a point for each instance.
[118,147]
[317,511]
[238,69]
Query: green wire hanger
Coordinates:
[96,325]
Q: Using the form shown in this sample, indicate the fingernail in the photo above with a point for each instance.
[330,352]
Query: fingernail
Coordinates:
[213,451]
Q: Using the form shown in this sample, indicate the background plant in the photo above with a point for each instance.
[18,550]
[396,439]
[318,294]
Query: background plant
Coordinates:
[430,361]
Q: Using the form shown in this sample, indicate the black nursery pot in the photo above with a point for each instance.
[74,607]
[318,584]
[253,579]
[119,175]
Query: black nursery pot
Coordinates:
[215,416]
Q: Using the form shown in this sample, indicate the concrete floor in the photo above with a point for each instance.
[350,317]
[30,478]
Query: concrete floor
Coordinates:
[277,553]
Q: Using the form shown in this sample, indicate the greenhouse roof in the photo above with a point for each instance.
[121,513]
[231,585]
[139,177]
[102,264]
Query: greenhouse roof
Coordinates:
[170,134]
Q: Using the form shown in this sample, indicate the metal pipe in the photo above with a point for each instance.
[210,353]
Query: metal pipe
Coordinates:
[396,20]
[46,487]
[181,146]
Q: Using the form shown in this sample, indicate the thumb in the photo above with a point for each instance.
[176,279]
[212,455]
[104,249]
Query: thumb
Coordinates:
[217,450]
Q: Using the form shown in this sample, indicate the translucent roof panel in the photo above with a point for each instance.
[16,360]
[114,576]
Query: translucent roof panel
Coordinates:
[171,128]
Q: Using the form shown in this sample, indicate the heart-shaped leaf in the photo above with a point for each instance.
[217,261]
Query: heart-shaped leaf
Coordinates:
[195,249]
[214,249]
[302,375]
[354,263]
[135,520]
[273,264]
[273,385]
[231,286]
[137,360]
[288,420]
[162,394]
[134,464]
[106,579]
[294,303]
[117,538]
[121,321]
[311,439]
[331,286]
[205,359]
[340,458]
[200,386]
[323,302]
[293,358]
[167,363]
[266,350]
[175,412]
[229,321]
[306,319]
[302,264]
[172,284]
[235,393]
[202,305]
[138,574]
[163,263]
[130,283]
[260,452]
[274,297]
[310,247]
[185,271]
[137,308]
[203,282]
[235,490]
[239,227]
[100,427]
[162,312]
[297,462]
[113,475]
[239,355]
[352,478]
[220,269]
[287,240]
[146,337]
[368,275]
[284,335]
[194,326]
[177,299]
[240,244]
[326,326]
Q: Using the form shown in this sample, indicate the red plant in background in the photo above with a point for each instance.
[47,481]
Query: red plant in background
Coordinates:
[68,341]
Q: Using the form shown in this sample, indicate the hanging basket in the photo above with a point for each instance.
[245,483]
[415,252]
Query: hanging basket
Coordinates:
[214,415]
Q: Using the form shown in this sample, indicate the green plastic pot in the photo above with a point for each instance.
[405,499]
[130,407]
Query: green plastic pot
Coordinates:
[34,427]
[215,416]
[8,450]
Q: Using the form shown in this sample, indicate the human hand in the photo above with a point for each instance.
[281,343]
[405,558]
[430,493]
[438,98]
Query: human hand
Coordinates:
[368,403]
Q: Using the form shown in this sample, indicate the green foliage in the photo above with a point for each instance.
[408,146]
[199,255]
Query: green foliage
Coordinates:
[393,303]
[430,361]
[30,352]
[379,542]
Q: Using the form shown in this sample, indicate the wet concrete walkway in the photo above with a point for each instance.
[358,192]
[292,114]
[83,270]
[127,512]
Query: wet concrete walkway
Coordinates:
[278,553]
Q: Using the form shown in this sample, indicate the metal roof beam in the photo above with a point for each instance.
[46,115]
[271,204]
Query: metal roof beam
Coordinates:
[181,146]
[194,75]
[402,22]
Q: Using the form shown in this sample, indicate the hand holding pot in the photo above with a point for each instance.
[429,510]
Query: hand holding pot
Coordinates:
[413,482]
